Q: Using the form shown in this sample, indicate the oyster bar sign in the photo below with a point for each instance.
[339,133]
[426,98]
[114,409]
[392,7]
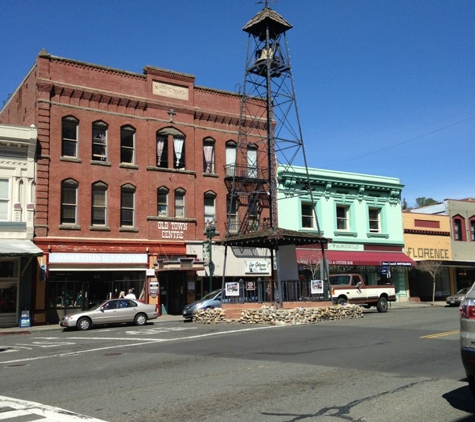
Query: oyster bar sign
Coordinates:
[172,229]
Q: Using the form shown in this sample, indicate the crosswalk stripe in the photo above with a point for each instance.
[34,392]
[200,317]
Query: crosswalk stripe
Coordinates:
[14,409]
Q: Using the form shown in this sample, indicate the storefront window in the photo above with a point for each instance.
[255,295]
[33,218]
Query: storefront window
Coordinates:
[8,285]
[74,289]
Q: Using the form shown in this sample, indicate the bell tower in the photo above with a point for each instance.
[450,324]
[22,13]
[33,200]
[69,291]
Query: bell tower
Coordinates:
[269,133]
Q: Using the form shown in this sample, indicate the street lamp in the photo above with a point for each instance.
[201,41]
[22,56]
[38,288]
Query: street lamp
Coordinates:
[210,233]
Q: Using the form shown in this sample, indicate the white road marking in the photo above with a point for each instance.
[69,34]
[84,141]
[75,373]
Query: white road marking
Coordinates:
[142,341]
[14,408]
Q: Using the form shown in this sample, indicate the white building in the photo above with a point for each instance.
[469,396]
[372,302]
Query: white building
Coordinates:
[18,264]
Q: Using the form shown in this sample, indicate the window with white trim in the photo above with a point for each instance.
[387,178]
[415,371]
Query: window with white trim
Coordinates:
[4,199]
[306,210]
[232,214]
[341,217]
[162,150]
[374,215]
[179,152]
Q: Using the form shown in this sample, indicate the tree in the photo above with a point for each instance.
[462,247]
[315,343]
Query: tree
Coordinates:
[404,204]
[433,268]
[424,202]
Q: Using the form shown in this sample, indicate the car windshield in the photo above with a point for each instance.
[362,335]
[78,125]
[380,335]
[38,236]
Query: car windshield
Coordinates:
[211,295]
[463,291]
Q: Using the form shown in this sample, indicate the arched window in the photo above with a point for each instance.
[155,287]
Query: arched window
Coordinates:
[231,158]
[162,201]
[180,203]
[252,161]
[210,206]
[99,204]
[69,135]
[127,145]
[69,202]
[127,206]
[208,155]
[99,141]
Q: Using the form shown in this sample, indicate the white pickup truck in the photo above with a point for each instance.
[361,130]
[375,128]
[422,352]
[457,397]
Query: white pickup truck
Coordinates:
[351,288]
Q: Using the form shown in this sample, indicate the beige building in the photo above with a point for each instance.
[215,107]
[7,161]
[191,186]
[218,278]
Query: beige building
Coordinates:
[445,233]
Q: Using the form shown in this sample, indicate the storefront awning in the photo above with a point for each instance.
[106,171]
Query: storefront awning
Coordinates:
[14,247]
[394,259]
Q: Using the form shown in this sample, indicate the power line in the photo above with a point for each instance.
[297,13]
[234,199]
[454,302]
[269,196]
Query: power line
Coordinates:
[404,142]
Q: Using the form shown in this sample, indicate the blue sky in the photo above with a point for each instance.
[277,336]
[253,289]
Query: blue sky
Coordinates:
[384,87]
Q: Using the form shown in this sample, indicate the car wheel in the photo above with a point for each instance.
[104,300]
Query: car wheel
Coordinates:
[83,324]
[341,300]
[382,305]
[140,319]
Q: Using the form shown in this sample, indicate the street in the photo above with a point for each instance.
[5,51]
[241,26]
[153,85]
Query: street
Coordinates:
[401,365]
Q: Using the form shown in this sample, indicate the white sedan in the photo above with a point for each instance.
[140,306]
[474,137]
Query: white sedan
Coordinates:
[114,311]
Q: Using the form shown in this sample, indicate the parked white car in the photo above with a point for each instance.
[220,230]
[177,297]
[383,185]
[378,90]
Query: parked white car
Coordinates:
[114,311]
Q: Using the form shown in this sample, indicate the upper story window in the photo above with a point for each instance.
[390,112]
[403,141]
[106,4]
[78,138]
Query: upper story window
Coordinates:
[69,135]
[308,221]
[342,217]
[179,152]
[99,204]
[232,214]
[252,161]
[253,214]
[4,199]
[69,202]
[472,229]
[162,202]
[179,203]
[458,224]
[208,155]
[162,151]
[374,215]
[210,207]
[127,206]
[127,145]
[99,141]
[231,149]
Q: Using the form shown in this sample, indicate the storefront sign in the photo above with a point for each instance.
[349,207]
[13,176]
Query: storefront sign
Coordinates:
[257,267]
[345,247]
[97,258]
[428,253]
[172,229]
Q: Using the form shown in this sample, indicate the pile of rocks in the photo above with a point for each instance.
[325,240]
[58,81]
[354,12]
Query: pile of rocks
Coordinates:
[272,316]
[209,316]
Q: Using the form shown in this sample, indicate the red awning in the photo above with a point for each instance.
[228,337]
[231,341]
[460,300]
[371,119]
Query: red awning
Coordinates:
[313,256]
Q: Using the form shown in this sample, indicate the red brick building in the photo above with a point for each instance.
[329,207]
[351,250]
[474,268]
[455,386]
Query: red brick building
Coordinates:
[129,168]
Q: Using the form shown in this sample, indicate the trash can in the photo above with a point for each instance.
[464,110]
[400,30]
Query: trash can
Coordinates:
[25,319]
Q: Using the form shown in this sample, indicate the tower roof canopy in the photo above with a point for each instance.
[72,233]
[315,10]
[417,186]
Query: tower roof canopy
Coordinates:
[270,238]
[267,18]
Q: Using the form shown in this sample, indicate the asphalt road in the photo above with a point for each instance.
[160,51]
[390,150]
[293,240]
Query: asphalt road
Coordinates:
[398,366]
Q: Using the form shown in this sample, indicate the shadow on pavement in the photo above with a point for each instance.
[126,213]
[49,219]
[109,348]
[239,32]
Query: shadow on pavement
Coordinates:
[462,399]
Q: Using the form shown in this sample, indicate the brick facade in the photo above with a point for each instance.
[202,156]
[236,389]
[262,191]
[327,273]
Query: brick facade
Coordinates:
[157,101]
